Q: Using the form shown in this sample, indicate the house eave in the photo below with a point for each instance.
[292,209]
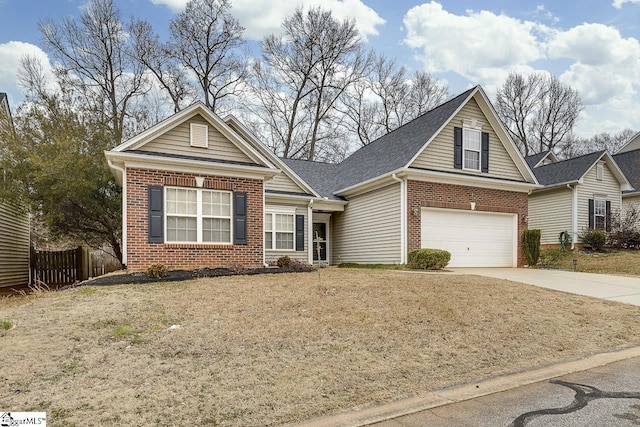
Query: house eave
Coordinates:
[131,160]
[468,180]
[318,203]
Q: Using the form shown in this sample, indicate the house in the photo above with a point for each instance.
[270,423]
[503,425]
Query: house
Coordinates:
[14,228]
[578,194]
[628,159]
[202,191]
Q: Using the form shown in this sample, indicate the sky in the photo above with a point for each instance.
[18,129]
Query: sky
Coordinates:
[591,45]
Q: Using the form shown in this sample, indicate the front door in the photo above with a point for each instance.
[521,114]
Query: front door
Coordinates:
[320,241]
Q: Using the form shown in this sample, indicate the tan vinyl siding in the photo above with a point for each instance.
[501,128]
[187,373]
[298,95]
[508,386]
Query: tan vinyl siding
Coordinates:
[368,231]
[14,247]
[283,183]
[634,144]
[629,203]
[550,212]
[302,256]
[608,189]
[439,153]
[176,141]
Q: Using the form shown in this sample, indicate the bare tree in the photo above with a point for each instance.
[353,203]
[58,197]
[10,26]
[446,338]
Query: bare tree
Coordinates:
[573,146]
[208,41]
[158,58]
[302,76]
[93,60]
[387,98]
[539,111]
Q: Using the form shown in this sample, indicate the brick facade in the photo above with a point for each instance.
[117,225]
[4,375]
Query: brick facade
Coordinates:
[141,253]
[426,194]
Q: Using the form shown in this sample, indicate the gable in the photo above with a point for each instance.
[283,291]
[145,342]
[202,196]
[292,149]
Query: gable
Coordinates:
[633,144]
[439,154]
[176,141]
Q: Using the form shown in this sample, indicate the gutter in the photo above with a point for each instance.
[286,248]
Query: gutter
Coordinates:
[122,171]
[574,214]
[403,217]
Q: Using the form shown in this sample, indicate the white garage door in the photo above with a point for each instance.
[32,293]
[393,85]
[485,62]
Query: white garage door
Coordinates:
[475,239]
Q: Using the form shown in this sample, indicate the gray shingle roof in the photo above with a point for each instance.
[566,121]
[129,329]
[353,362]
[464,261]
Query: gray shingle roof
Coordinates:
[534,159]
[320,176]
[395,149]
[629,163]
[569,170]
[386,154]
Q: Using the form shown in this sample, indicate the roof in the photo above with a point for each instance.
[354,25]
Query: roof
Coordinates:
[534,159]
[629,163]
[396,149]
[566,171]
[320,176]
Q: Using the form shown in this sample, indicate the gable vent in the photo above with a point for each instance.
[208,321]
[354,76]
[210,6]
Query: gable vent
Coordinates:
[199,135]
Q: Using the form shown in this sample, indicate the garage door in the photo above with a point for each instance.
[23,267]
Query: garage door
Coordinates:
[475,239]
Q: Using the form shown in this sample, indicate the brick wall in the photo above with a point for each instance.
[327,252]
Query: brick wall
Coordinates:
[426,194]
[141,253]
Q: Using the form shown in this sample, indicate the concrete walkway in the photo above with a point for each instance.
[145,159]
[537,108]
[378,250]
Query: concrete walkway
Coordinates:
[606,286]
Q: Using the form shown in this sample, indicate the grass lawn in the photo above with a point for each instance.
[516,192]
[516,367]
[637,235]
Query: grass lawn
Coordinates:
[277,349]
[621,263]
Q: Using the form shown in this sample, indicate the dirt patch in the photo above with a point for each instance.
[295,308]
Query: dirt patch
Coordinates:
[277,349]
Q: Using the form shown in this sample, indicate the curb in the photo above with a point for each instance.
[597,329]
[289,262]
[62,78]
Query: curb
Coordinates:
[412,405]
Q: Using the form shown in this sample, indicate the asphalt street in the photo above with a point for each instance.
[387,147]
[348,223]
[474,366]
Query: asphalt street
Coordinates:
[604,396]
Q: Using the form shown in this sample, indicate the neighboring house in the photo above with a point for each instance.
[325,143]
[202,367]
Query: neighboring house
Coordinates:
[15,246]
[578,194]
[628,158]
[199,191]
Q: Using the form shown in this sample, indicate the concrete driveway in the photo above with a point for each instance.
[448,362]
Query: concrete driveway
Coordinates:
[606,286]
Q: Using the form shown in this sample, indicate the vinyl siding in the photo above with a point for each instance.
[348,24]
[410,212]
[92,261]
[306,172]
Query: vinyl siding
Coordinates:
[283,183]
[631,202]
[439,153]
[14,247]
[634,144]
[176,141]
[609,187]
[368,231]
[550,212]
[302,256]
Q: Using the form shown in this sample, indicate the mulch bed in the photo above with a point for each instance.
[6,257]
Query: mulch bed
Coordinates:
[180,275]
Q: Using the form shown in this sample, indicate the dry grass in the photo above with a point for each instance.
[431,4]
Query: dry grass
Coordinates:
[621,263]
[274,349]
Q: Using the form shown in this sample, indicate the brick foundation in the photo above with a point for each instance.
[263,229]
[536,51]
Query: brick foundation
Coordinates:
[425,194]
[141,253]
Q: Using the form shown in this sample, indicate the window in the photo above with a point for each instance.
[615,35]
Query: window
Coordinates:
[599,214]
[198,216]
[599,171]
[471,145]
[279,231]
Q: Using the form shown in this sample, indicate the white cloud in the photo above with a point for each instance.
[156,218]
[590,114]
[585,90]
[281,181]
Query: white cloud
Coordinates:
[481,46]
[263,17]
[618,3]
[10,55]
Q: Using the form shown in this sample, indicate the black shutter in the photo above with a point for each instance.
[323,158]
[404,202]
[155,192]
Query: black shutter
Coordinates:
[457,148]
[591,225]
[156,214]
[484,157]
[239,218]
[299,232]
[608,217]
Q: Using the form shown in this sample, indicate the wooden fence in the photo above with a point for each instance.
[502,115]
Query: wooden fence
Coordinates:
[59,268]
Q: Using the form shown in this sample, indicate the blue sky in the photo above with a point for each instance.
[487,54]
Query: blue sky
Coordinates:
[593,46]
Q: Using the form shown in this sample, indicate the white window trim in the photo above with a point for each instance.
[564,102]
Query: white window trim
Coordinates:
[595,215]
[465,148]
[282,210]
[199,217]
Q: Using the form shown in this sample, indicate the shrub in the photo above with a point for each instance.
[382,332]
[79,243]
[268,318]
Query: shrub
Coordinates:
[157,271]
[624,229]
[594,238]
[428,259]
[284,262]
[531,242]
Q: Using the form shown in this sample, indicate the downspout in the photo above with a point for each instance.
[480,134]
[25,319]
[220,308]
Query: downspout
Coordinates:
[264,207]
[403,217]
[310,232]
[574,214]
[124,209]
